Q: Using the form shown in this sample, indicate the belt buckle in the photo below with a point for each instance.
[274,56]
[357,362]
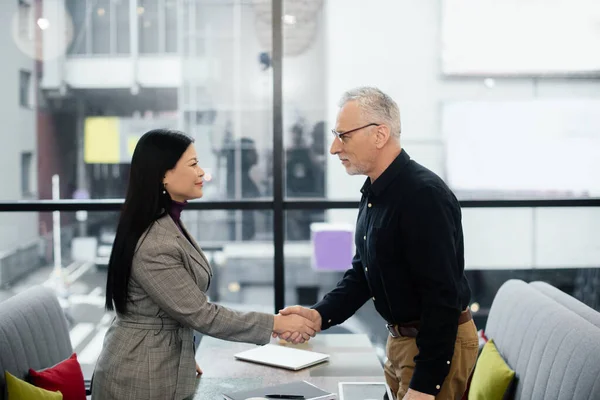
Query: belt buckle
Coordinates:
[393,332]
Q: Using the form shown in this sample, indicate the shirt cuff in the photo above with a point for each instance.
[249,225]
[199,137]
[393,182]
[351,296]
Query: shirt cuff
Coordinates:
[429,376]
[326,312]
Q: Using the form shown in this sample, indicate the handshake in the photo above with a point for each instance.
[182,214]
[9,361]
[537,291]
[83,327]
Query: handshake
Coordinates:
[297,324]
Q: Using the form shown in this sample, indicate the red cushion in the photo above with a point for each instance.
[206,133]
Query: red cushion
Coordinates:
[65,376]
[482,336]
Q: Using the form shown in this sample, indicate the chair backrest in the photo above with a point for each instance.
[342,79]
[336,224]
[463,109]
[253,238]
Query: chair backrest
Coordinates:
[583,310]
[33,333]
[554,352]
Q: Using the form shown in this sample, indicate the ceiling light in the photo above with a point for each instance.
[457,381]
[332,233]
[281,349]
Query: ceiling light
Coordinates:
[43,23]
[289,19]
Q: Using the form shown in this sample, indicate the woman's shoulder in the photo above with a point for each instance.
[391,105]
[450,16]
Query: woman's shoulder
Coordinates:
[158,235]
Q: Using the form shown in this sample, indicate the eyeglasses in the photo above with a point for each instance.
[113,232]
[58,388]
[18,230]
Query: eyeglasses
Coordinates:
[342,135]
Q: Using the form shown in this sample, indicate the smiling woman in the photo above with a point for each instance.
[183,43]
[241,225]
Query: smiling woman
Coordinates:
[158,277]
[184,182]
[158,159]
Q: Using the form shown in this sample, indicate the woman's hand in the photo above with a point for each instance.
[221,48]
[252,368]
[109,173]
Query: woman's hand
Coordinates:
[296,337]
[198,370]
[294,323]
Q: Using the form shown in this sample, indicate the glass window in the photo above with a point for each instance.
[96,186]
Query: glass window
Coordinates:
[123,25]
[226,99]
[171,34]
[25,89]
[25,21]
[101,27]
[88,139]
[306,128]
[458,128]
[148,26]
[26,174]
[78,11]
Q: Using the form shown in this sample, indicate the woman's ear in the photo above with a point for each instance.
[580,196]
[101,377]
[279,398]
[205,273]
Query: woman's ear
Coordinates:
[165,179]
[164,183]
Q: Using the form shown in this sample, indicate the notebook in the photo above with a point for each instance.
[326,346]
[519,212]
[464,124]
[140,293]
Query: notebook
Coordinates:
[283,357]
[306,389]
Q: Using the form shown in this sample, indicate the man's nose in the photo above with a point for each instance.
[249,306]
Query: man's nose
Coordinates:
[336,146]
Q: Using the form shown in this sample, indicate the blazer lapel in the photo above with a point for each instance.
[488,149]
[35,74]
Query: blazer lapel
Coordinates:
[190,246]
[198,254]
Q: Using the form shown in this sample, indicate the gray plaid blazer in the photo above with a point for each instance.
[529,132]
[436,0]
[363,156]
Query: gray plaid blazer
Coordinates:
[149,352]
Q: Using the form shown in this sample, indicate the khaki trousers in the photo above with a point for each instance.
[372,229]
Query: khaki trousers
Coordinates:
[400,365]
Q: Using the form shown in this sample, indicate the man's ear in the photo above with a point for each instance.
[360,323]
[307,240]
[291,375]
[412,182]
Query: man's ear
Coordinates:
[382,135]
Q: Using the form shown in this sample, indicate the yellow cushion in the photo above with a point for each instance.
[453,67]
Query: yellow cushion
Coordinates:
[492,376]
[21,390]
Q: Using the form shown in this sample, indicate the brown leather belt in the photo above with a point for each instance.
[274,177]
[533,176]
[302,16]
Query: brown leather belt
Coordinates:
[411,329]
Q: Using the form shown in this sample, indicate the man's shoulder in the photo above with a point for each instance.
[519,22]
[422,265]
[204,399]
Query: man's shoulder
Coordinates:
[420,179]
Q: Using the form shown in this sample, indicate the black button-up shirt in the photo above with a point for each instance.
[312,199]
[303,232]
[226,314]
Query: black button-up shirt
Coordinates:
[410,262]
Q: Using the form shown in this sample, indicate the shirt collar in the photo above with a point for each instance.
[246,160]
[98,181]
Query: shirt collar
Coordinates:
[387,176]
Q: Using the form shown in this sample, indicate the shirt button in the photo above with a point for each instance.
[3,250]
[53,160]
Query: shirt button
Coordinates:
[437,387]
[365,237]
[366,269]
[369,205]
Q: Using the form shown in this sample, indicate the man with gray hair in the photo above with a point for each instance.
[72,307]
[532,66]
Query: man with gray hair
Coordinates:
[409,256]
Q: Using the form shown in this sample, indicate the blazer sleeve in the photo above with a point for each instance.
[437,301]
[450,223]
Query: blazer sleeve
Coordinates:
[160,271]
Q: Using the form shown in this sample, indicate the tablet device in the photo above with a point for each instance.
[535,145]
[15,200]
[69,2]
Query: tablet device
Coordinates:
[364,391]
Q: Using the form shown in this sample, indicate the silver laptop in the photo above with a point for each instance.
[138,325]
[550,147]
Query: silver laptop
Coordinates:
[282,357]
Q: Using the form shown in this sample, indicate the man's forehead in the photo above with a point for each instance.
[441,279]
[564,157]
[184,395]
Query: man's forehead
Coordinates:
[350,107]
[347,114]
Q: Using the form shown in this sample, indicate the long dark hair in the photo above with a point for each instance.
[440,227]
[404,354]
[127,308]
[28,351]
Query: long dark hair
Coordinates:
[156,152]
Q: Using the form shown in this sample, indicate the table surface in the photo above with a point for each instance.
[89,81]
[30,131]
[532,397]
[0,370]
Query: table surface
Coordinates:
[352,359]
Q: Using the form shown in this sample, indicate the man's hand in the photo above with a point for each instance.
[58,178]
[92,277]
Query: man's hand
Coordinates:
[303,328]
[414,395]
[308,313]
